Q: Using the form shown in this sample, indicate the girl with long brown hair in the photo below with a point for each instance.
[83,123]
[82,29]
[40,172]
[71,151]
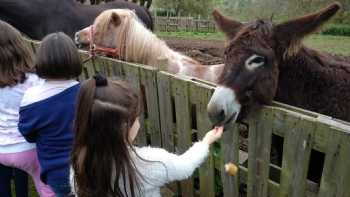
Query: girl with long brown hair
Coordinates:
[16,77]
[105,162]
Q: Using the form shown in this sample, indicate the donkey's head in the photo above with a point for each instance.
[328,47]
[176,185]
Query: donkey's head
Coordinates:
[253,57]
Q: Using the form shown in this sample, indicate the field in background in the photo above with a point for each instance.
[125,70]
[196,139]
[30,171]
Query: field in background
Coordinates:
[332,44]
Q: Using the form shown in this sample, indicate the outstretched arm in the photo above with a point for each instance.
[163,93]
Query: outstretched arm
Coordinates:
[169,167]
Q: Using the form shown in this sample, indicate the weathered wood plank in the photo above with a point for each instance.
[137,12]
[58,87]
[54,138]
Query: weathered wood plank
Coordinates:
[101,65]
[320,138]
[183,126]
[84,74]
[166,111]
[260,131]
[132,75]
[200,96]
[90,71]
[296,154]
[149,81]
[117,71]
[336,172]
[230,153]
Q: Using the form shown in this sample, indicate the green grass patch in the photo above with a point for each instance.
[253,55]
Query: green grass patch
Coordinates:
[337,30]
[31,189]
[332,44]
[196,35]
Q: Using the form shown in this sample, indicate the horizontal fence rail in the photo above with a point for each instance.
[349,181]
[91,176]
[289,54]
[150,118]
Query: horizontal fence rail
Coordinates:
[189,24]
[175,116]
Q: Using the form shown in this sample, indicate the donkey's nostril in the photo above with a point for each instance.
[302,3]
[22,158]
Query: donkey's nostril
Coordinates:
[217,117]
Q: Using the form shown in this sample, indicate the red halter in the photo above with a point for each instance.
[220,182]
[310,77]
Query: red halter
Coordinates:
[96,49]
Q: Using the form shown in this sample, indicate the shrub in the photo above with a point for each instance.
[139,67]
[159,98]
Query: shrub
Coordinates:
[337,30]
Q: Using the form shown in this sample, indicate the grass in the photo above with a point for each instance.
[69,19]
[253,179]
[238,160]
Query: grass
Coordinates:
[196,35]
[332,44]
[31,189]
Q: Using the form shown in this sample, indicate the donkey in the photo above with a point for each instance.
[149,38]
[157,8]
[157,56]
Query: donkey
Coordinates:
[37,18]
[118,31]
[264,61]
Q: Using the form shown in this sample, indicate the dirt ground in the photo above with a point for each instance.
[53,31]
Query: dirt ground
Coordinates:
[207,52]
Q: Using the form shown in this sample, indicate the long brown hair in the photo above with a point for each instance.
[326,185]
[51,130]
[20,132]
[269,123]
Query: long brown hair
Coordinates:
[101,151]
[16,58]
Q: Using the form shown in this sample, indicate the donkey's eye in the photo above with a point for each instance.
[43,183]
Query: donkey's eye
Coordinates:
[258,60]
[254,62]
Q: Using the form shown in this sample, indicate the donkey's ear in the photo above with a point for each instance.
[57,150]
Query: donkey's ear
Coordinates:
[293,31]
[115,19]
[228,26]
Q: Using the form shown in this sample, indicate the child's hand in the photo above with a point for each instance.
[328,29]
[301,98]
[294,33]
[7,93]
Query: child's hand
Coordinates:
[213,135]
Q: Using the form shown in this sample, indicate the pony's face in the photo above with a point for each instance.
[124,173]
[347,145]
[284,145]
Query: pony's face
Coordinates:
[83,37]
[107,28]
[253,60]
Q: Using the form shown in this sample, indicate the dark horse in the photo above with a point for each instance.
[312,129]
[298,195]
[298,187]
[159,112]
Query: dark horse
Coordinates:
[264,61]
[143,3]
[37,18]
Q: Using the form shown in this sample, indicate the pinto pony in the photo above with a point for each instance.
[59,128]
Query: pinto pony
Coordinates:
[264,61]
[37,18]
[119,33]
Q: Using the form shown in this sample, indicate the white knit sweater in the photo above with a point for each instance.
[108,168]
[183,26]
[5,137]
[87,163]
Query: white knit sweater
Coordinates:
[170,167]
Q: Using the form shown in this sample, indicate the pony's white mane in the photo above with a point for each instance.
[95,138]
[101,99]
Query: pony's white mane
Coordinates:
[138,44]
[142,45]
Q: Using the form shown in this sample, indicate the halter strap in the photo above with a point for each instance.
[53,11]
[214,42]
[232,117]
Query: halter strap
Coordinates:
[97,49]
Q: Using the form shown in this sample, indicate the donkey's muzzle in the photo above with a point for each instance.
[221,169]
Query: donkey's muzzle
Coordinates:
[223,107]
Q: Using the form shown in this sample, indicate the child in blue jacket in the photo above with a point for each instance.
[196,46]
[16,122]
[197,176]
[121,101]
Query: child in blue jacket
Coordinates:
[47,110]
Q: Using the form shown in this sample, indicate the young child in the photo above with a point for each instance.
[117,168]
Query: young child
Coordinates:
[16,76]
[104,161]
[47,110]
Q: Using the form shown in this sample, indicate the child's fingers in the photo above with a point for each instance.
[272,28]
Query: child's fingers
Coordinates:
[219,129]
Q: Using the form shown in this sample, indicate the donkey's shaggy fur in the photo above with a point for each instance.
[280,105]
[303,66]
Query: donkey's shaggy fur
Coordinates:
[290,72]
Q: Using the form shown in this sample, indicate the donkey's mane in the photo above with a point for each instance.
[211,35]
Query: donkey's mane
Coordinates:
[260,26]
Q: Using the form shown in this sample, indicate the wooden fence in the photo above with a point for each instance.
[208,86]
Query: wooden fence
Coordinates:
[173,24]
[175,116]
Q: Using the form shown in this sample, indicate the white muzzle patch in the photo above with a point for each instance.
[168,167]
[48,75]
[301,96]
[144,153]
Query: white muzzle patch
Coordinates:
[224,100]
